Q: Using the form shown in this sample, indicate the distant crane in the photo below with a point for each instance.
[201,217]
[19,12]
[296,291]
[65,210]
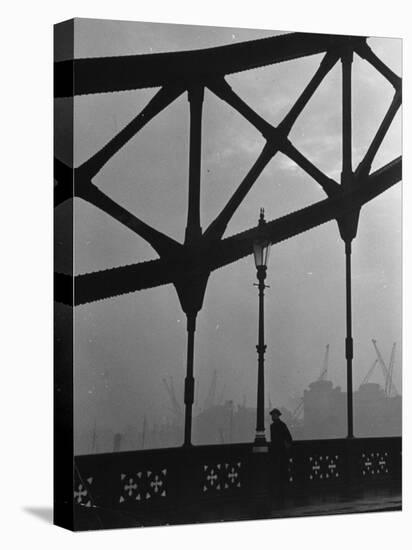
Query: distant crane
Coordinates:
[323,374]
[210,398]
[369,373]
[324,371]
[389,379]
[387,370]
[177,409]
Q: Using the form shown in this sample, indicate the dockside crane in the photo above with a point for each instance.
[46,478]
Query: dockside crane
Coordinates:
[177,409]
[369,373]
[324,371]
[389,378]
[210,398]
[387,371]
[323,374]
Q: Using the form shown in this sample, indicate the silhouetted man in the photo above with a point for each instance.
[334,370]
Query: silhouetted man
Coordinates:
[280,444]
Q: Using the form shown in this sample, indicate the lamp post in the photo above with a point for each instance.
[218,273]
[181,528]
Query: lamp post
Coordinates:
[261,248]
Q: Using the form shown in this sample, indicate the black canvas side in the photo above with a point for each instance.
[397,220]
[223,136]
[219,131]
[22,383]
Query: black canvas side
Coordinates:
[63,281]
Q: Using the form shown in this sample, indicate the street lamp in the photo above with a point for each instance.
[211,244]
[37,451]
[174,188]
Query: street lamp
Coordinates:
[261,248]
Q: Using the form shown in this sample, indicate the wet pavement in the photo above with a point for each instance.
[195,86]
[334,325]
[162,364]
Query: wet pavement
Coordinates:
[376,499]
[358,502]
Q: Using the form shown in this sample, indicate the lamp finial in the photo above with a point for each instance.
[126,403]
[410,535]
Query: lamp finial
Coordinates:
[262,220]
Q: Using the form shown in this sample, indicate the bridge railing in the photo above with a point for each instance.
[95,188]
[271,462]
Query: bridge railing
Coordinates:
[139,479]
[328,463]
[143,481]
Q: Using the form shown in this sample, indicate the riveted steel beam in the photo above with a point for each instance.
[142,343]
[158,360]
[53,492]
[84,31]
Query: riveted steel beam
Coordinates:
[100,285]
[132,72]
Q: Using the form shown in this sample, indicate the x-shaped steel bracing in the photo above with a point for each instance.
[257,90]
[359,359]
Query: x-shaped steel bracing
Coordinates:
[188,265]
[180,263]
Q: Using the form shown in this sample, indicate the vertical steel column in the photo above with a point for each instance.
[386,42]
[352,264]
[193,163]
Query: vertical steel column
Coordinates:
[193,228]
[193,233]
[349,339]
[189,381]
[349,224]
[260,439]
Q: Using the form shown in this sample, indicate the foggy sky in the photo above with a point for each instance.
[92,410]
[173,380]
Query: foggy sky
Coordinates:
[124,346]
